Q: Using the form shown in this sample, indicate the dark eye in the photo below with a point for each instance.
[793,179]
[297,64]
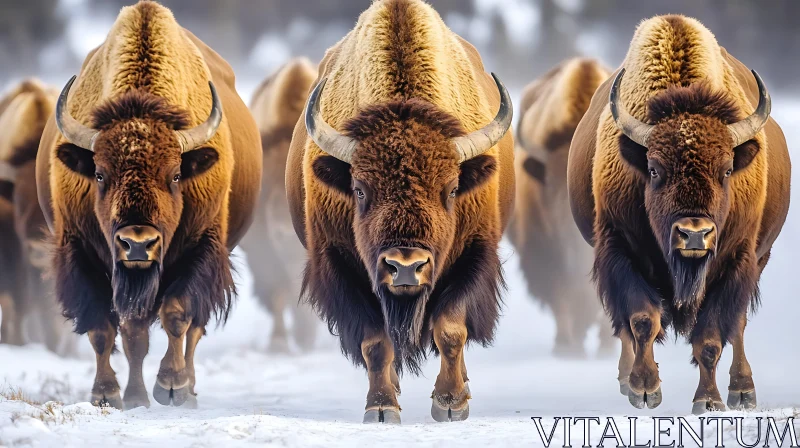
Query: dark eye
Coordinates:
[176,178]
[653,173]
[359,194]
[729,172]
[98,176]
[453,193]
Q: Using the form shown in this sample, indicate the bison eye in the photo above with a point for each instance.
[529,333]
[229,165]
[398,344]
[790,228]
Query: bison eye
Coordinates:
[98,176]
[177,178]
[359,194]
[653,173]
[453,193]
[729,172]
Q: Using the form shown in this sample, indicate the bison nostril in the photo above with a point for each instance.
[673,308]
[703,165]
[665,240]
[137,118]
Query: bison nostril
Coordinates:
[152,244]
[684,235]
[391,268]
[124,244]
[421,265]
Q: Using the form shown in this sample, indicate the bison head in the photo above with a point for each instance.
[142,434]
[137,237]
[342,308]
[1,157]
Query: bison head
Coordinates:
[137,153]
[405,165]
[687,157]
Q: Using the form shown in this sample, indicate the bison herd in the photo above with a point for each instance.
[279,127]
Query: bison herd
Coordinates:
[377,189]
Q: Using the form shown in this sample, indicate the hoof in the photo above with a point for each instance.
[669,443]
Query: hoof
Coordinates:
[389,416]
[707,405]
[132,401]
[640,401]
[175,397]
[447,414]
[107,401]
[742,401]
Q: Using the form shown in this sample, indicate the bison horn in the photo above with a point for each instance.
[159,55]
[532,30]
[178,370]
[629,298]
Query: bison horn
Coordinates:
[324,135]
[478,142]
[70,128]
[7,172]
[746,129]
[634,129]
[190,139]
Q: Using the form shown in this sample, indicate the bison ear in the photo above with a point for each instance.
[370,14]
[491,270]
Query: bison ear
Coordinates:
[333,173]
[535,168]
[744,154]
[634,154]
[77,159]
[197,161]
[475,172]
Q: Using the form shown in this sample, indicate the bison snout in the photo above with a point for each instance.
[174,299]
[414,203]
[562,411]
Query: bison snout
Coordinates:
[694,237]
[405,266]
[137,244]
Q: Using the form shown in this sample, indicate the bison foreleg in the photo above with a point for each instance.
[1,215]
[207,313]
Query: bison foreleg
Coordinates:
[635,308]
[722,318]
[136,342]
[382,405]
[172,382]
[451,391]
[105,391]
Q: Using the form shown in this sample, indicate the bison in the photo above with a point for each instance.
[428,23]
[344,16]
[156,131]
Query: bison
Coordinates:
[400,183]
[680,179]
[23,113]
[148,176]
[275,256]
[555,260]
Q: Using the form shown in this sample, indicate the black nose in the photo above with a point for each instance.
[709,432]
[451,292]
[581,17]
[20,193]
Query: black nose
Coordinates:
[404,275]
[694,239]
[406,266]
[138,243]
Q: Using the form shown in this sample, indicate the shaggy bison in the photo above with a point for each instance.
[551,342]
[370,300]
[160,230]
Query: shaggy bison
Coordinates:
[148,177]
[555,260]
[274,255]
[680,179]
[400,182]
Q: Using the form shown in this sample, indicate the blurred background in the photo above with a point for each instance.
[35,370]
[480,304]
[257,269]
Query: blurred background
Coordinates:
[519,40]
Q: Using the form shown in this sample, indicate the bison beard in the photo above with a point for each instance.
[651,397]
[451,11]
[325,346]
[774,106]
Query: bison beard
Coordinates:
[688,279]
[404,316]
[135,290]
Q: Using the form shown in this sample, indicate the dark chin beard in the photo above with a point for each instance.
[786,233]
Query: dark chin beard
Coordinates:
[404,317]
[688,279]
[135,290]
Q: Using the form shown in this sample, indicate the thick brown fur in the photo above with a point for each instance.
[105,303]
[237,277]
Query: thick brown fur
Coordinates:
[402,84]
[23,114]
[274,255]
[554,258]
[149,78]
[678,78]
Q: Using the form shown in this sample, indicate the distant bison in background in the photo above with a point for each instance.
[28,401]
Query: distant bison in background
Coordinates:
[400,182]
[32,315]
[274,255]
[555,259]
[680,179]
[148,177]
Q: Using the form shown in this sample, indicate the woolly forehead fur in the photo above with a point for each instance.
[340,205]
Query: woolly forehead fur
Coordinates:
[669,51]
[404,41]
[553,105]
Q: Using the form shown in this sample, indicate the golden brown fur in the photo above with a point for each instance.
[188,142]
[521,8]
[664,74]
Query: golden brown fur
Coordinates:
[274,254]
[23,114]
[402,85]
[149,78]
[680,79]
[554,258]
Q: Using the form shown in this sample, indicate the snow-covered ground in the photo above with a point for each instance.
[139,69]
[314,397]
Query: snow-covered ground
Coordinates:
[247,396]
